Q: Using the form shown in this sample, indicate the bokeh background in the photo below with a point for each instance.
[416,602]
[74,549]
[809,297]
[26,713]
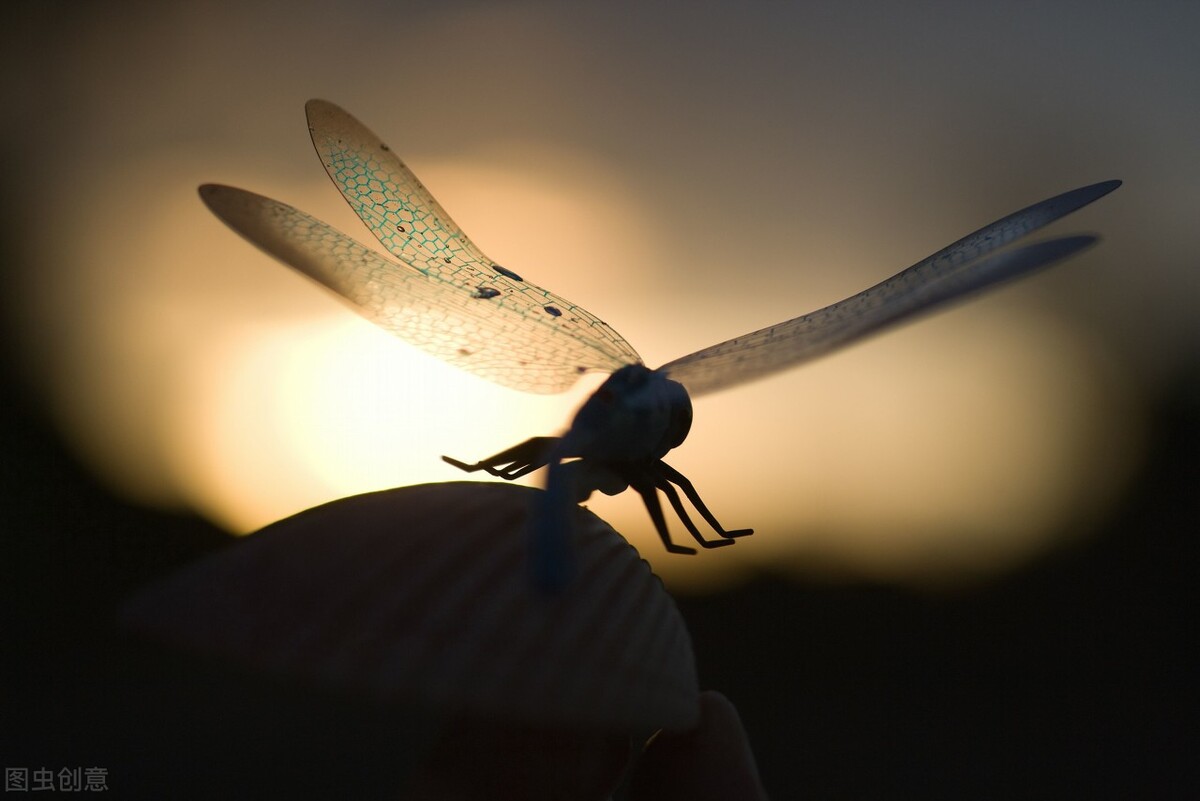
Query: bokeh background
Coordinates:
[975,535]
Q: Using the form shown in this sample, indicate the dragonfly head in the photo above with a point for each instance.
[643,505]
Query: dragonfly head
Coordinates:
[636,414]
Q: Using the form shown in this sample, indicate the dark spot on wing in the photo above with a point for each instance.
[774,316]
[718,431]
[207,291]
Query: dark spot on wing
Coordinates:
[507,272]
[464,352]
[447,260]
[485,292]
[552,311]
[581,370]
[383,146]
[400,228]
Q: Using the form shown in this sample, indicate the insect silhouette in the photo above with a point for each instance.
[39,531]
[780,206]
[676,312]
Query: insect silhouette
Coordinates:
[442,294]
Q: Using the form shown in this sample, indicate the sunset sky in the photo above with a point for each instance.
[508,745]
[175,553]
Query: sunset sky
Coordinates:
[686,171]
[975,535]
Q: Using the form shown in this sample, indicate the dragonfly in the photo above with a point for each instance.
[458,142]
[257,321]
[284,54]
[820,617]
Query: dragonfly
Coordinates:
[442,294]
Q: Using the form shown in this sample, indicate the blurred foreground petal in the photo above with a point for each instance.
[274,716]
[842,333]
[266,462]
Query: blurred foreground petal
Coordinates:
[422,595]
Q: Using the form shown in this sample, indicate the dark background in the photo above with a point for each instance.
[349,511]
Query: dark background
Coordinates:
[1069,676]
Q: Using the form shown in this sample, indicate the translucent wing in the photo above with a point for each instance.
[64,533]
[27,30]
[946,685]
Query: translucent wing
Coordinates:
[413,226]
[389,199]
[490,329]
[951,273]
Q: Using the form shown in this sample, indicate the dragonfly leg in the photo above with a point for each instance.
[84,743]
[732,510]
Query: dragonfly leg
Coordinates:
[649,493]
[671,474]
[507,474]
[677,505]
[517,461]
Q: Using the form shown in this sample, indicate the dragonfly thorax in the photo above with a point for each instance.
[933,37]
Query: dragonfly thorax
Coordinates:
[637,414]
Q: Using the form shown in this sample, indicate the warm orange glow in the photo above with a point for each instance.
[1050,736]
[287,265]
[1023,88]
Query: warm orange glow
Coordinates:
[213,377]
[299,415]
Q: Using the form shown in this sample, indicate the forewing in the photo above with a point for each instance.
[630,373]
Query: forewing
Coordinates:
[414,227]
[952,273]
[498,337]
